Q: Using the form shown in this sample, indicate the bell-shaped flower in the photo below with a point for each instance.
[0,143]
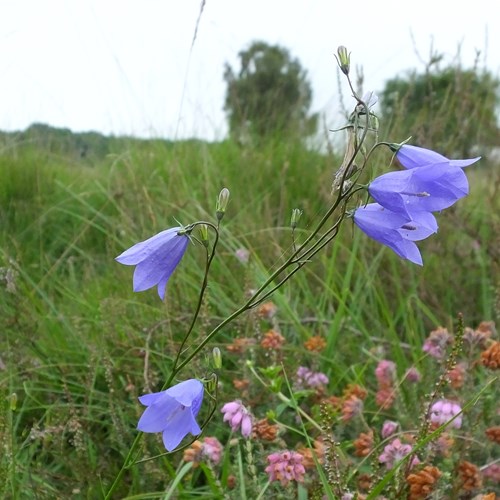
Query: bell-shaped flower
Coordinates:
[155,258]
[173,412]
[413,157]
[424,189]
[395,230]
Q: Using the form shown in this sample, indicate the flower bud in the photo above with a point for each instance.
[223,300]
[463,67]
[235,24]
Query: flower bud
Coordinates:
[217,358]
[13,401]
[344,59]
[296,214]
[221,205]
[203,228]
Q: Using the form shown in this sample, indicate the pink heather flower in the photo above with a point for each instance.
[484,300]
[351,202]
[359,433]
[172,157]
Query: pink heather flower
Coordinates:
[492,472]
[243,255]
[396,451]
[306,378]
[285,467]
[385,372]
[389,428]
[436,343]
[413,375]
[212,449]
[444,410]
[236,415]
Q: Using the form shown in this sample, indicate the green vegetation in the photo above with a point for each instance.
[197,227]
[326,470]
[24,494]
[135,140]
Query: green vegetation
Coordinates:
[78,346]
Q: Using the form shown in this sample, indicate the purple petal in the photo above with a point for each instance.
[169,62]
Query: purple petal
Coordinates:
[187,392]
[149,399]
[156,416]
[159,266]
[181,423]
[413,156]
[143,249]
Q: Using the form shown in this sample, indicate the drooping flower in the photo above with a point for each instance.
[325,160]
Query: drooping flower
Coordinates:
[396,451]
[238,416]
[156,259]
[385,373]
[389,428]
[173,412]
[414,157]
[444,410]
[429,189]
[437,342]
[285,467]
[396,230]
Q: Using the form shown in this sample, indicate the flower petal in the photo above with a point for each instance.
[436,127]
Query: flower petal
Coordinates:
[156,417]
[187,392]
[181,423]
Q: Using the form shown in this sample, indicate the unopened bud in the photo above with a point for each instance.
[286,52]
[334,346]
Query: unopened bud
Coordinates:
[344,59]
[296,214]
[217,358]
[222,200]
[203,228]
[13,401]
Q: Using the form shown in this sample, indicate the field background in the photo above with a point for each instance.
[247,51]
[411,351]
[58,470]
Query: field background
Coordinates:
[77,346]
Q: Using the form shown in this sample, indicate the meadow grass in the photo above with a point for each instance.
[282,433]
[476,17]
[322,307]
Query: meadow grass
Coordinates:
[78,346]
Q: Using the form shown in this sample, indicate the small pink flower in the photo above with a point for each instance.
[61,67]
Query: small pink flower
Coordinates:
[306,378]
[389,428]
[396,451]
[243,255]
[444,410]
[436,343]
[238,416]
[413,375]
[212,449]
[285,467]
[385,372]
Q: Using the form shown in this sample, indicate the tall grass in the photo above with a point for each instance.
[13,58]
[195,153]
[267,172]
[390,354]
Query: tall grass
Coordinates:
[78,346]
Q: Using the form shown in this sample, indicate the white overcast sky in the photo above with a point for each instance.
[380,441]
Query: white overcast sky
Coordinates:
[126,66]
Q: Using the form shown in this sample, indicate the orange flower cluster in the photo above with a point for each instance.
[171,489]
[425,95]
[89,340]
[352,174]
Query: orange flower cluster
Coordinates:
[264,430]
[363,445]
[493,434]
[469,475]
[194,453]
[267,310]
[307,454]
[315,344]
[272,340]
[491,356]
[422,483]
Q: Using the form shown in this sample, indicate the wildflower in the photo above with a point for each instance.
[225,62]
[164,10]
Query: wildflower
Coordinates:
[308,454]
[469,475]
[238,416]
[480,336]
[267,310]
[389,428]
[363,444]
[457,375]
[442,445]
[156,259]
[394,452]
[414,157]
[428,189]
[241,383]
[243,255]
[173,412]
[212,449]
[492,472]
[344,59]
[272,340]
[315,344]
[396,230]
[193,453]
[491,356]
[351,407]
[413,375]
[285,467]
[493,434]
[436,343]
[385,372]
[422,483]
[264,430]
[240,344]
[443,410]
[309,379]
[385,397]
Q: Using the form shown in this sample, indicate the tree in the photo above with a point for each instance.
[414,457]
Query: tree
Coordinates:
[450,109]
[269,95]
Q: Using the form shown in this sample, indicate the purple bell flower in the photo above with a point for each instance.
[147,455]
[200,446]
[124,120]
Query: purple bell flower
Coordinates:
[396,230]
[155,258]
[413,157]
[173,412]
[425,189]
